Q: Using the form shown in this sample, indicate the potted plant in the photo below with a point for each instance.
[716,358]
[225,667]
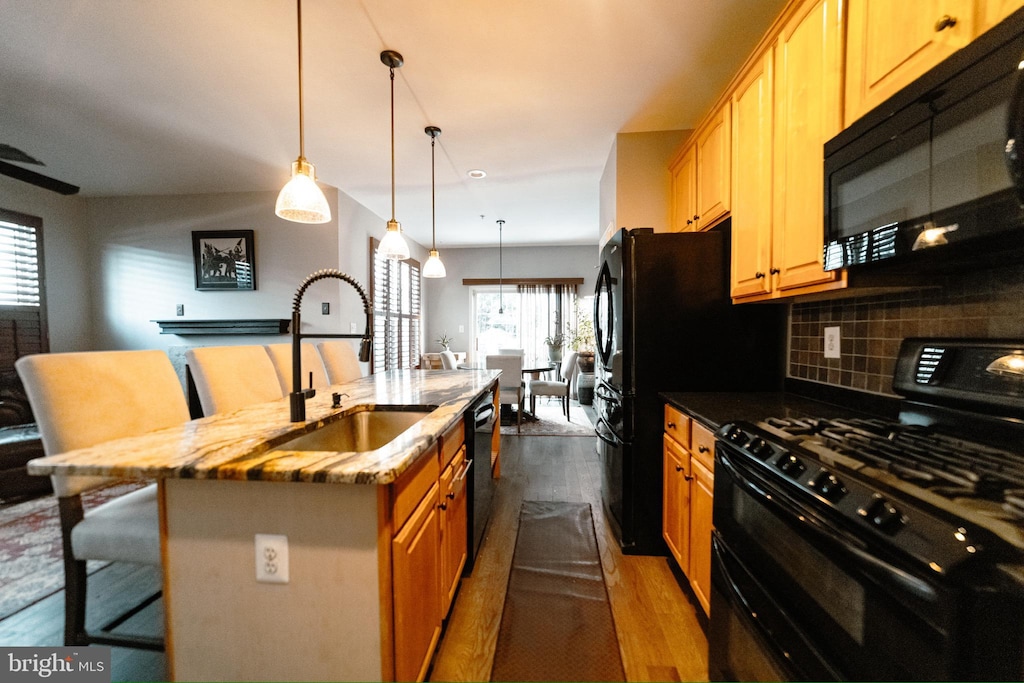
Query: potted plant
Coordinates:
[555,343]
[582,342]
[445,341]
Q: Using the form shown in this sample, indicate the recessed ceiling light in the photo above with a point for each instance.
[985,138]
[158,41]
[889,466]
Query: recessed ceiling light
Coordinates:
[477,173]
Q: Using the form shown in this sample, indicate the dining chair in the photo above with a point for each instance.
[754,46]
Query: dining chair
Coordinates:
[229,377]
[340,361]
[448,361]
[84,399]
[510,384]
[281,355]
[555,387]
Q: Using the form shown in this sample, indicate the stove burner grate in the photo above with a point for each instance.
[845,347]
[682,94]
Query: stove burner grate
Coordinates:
[944,464]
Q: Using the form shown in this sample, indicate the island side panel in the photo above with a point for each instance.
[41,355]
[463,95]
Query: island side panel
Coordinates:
[324,624]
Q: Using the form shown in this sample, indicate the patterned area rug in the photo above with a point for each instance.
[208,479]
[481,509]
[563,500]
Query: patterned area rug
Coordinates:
[552,421]
[31,556]
[556,624]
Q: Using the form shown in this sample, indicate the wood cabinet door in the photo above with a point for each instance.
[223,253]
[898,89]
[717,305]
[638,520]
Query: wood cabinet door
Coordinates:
[701,495]
[416,578]
[808,85]
[675,522]
[684,190]
[454,540]
[892,42]
[752,180]
[991,12]
[713,177]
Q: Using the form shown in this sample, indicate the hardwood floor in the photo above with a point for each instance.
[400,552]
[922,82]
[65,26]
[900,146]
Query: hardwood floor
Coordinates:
[660,638]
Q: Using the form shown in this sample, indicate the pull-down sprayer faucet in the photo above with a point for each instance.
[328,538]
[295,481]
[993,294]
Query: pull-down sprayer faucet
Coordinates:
[298,396]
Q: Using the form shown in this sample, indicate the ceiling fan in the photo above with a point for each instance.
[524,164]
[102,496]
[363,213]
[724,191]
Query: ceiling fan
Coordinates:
[8,153]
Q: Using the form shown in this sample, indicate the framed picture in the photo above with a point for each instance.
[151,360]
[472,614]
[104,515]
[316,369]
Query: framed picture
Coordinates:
[224,259]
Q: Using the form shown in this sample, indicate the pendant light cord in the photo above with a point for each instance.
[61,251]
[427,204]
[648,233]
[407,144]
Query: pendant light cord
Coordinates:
[501,299]
[302,134]
[433,210]
[392,69]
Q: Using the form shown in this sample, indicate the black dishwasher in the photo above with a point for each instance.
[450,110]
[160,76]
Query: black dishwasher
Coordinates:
[481,421]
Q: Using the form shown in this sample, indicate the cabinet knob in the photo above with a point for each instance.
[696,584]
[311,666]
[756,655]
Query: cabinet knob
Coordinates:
[443,506]
[703,449]
[678,468]
[689,222]
[758,275]
[451,496]
[671,425]
[945,22]
[696,217]
[687,477]
[774,271]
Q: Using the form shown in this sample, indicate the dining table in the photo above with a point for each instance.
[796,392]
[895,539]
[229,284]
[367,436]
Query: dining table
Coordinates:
[533,367]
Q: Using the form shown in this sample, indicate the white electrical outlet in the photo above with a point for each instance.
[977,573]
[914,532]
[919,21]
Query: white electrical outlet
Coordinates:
[832,342]
[352,328]
[271,558]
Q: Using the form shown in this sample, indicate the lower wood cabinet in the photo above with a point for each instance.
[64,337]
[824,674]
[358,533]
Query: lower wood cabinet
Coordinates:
[688,488]
[428,551]
[416,579]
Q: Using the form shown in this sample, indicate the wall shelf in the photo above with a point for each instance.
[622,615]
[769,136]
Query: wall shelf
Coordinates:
[250,326]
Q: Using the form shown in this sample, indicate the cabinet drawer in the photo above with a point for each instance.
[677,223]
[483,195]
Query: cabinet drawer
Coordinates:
[452,441]
[677,425]
[409,489]
[703,448]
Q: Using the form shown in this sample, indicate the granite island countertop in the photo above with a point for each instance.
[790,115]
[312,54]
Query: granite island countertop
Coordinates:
[240,445]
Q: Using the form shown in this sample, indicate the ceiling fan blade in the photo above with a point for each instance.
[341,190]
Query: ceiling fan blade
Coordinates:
[38,179]
[14,154]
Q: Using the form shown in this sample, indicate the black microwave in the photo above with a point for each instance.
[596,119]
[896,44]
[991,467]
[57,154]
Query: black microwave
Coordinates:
[940,163]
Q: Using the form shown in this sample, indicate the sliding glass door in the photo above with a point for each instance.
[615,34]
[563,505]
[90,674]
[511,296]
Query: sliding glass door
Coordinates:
[522,317]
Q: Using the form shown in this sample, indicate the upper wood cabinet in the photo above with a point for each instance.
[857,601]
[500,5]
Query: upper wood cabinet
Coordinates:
[701,175]
[808,86]
[752,179]
[713,168]
[890,43]
[684,189]
[784,110]
[991,12]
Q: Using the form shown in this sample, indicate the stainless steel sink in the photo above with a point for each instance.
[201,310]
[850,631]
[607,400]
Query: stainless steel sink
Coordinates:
[368,428]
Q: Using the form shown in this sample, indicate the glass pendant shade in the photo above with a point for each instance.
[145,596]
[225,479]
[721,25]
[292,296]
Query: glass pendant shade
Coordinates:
[393,245]
[301,199]
[433,267]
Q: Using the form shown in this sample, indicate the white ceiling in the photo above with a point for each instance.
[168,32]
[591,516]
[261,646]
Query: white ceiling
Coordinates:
[137,97]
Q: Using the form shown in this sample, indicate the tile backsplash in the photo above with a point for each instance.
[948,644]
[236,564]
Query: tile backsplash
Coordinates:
[987,304]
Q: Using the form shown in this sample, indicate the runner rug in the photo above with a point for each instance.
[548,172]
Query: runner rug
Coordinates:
[556,624]
[31,550]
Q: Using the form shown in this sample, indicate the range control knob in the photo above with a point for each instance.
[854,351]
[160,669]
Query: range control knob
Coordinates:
[881,514]
[825,483]
[760,448]
[737,436]
[791,465]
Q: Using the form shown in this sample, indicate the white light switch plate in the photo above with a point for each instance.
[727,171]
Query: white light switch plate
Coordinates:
[832,342]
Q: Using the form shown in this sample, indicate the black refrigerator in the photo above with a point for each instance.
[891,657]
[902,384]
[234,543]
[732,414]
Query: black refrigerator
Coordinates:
[664,321]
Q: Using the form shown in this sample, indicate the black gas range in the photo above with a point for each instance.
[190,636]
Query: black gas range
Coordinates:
[862,548]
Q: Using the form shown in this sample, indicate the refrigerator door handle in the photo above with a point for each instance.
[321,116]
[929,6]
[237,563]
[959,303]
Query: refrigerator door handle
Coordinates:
[607,434]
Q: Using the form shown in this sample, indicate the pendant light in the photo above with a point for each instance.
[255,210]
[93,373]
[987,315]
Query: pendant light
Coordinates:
[393,245]
[301,200]
[433,267]
[501,300]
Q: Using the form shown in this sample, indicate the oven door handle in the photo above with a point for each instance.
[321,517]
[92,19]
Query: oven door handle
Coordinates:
[607,434]
[875,566]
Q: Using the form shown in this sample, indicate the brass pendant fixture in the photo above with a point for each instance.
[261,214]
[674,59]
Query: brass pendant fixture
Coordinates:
[301,200]
[433,267]
[393,245]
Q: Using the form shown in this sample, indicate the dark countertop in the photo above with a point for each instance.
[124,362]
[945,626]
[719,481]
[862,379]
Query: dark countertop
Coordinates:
[713,409]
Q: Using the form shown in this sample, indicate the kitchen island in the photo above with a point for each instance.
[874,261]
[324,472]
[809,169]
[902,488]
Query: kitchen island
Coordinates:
[372,536]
